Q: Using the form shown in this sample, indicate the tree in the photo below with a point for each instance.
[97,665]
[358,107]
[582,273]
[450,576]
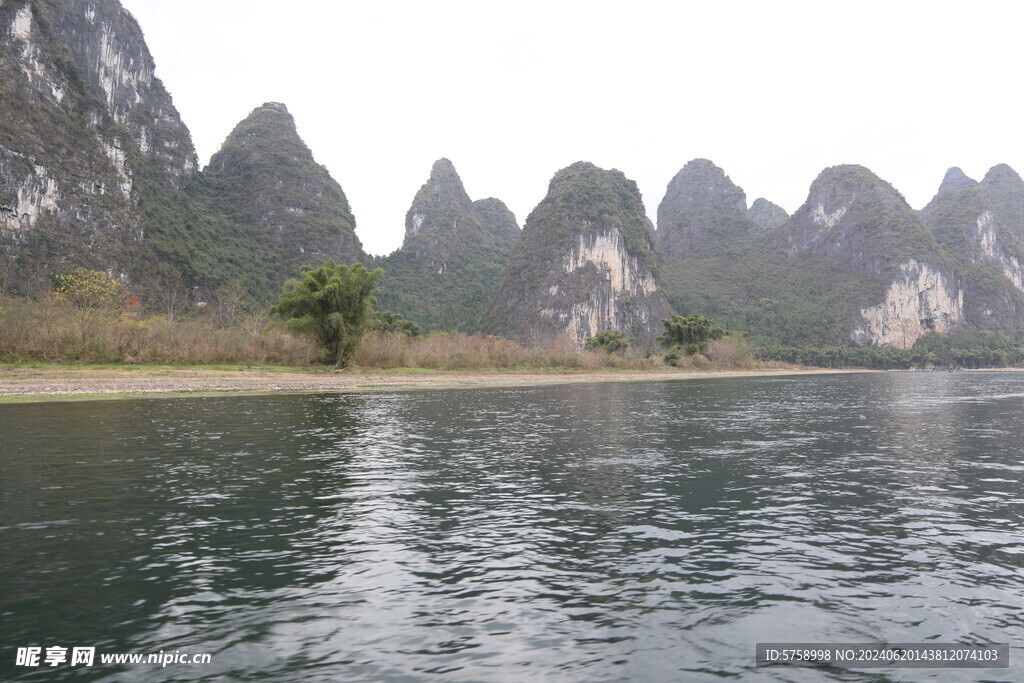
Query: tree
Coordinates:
[333,304]
[92,294]
[609,341]
[389,322]
[168,293]
[229,302]
[691,333]
[255,319]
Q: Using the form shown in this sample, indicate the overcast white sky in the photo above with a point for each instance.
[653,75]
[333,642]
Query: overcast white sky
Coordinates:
[773,92]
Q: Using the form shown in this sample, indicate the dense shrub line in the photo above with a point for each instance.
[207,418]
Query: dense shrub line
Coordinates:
[964,350]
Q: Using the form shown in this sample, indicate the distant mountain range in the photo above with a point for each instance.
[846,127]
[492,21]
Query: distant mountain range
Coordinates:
[98,170]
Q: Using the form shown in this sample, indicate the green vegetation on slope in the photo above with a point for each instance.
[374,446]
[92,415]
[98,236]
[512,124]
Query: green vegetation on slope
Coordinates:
[260,210]
[806,300]
[446,274]
[955,217]
[805,282]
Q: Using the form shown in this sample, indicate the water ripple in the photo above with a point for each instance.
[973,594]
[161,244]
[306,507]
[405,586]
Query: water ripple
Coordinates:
[611,532]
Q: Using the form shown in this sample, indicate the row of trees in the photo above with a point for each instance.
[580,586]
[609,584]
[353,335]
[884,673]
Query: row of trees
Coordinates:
[888,358]
[690,335]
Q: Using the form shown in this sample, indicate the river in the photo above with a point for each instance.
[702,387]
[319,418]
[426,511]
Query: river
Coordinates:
[646,531]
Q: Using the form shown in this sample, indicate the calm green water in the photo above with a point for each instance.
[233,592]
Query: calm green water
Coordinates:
[650,531]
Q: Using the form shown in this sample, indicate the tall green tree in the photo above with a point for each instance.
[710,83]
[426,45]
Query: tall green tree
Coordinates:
[692,333]
[333,304]
[389,322]
[92,294]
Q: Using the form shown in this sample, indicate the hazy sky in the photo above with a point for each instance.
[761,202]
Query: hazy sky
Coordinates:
[773,92]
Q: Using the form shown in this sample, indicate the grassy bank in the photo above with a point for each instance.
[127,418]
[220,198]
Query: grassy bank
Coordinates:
[51,332]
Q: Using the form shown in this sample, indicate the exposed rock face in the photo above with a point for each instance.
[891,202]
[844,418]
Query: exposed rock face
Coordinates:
[106,43]
[97,169]
[68,163]
[979,225]
[855,219]
[265,176]
[919,301]
[1003,191]
[995,250]
[701,211]
[853,263]
[584,264]
[766,215]
[446,274]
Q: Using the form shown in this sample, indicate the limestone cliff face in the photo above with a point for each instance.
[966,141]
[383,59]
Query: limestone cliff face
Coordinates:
[980,226]
[265,176]
[605,307]
[446,274]
[68,163]
[996,250]
[860,223]
[702,210]
[920,300]
[106,43]
[97,169]
[81,67]
[766,215]
[584,264]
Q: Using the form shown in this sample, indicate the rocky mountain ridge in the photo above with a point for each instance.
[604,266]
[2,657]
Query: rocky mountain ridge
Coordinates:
[265,178]
[584,264]
[980,227]
[853,264]
[702,211]
[446,273]
[68,165]
[98,170]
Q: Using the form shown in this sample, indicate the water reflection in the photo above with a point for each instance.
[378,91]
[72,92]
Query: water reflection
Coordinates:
[602,532]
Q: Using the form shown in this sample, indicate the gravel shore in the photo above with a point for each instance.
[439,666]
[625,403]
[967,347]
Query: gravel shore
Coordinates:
[68,383]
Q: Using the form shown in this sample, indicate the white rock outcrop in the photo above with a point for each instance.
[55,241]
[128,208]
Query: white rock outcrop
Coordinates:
[114,151]
[826,218]
[921,300]
[37,194]
[602,307]
[1012,268]
[36,73]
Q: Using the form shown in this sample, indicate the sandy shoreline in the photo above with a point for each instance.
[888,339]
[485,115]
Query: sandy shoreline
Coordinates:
[19,385]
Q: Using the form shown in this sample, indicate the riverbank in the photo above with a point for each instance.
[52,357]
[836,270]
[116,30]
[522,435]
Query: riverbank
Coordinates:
[63,383]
